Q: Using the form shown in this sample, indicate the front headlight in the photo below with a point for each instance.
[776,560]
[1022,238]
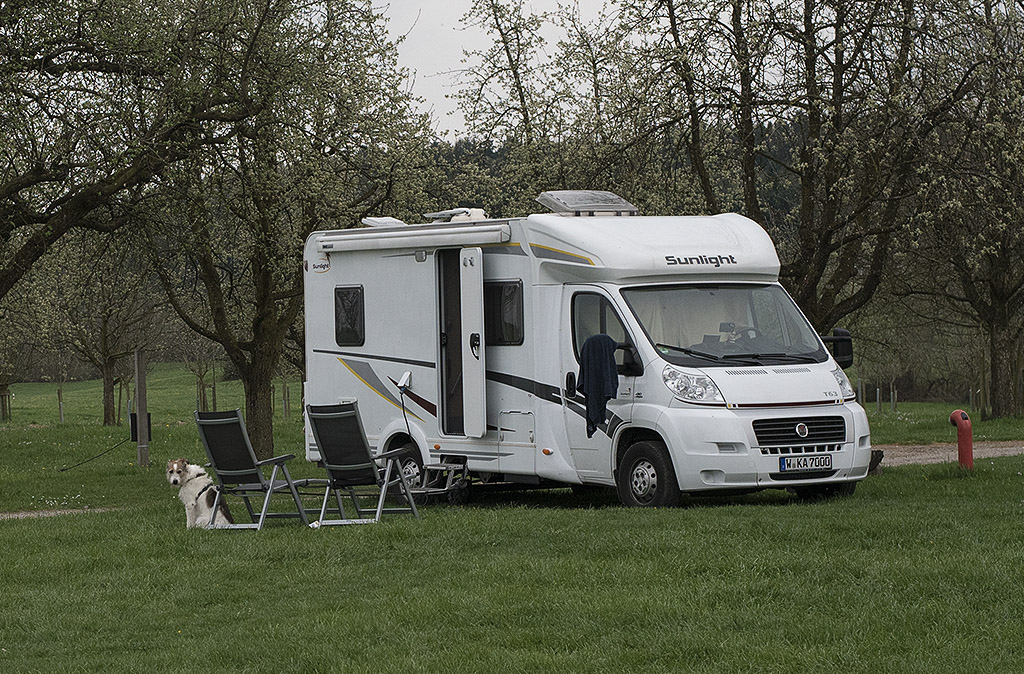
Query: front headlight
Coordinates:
[693,388]
[844,384]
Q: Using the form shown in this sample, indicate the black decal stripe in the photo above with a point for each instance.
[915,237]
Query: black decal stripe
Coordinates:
[429,407]
[551,394]
[368,356]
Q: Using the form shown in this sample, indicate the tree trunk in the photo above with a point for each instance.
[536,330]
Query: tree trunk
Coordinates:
[109,412]
[259,405]
[1003,399]
[201,402]
[747,137]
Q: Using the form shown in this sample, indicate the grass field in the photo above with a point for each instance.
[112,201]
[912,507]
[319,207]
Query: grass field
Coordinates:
[922,570]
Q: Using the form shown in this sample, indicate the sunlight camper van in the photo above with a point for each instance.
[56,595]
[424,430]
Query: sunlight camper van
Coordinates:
[462,341]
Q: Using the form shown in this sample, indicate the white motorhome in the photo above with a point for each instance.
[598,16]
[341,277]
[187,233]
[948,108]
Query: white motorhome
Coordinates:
[461,340]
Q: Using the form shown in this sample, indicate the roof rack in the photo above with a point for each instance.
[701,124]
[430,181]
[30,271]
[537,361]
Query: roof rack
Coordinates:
[586,202]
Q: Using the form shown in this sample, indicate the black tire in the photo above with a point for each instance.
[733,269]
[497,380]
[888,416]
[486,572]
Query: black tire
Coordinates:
[646,478]
[460,494]
[411,464]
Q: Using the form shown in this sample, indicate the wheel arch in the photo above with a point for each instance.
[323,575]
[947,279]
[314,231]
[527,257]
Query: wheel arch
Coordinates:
[632,435]
[396,436]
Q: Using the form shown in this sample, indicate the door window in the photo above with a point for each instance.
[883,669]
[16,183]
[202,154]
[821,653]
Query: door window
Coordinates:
[593,314]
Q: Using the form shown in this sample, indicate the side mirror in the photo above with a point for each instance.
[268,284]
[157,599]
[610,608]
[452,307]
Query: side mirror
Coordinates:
[841,345]
[631,365]
[570,385]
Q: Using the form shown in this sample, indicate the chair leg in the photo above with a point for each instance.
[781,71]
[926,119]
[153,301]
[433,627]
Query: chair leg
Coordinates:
[407,493]
[384,489]
[216,508]
[341,506]
[266,499]
[248,506]
[295,494]
[323,507]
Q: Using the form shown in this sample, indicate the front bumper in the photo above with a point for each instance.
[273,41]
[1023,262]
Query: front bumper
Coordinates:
[718,449]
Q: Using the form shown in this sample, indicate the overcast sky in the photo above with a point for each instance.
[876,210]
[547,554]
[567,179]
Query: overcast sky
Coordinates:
[432,50]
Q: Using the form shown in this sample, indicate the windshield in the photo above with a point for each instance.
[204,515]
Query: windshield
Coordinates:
[715,325]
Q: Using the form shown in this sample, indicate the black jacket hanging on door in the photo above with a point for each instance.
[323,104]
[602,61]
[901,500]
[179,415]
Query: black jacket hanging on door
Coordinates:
[598,378]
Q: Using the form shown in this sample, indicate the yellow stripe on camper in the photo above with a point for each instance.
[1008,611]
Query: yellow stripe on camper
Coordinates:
[382,394]
[555,254]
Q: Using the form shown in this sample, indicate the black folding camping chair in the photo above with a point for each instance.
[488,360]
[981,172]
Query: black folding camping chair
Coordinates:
[239,473]
[353,469]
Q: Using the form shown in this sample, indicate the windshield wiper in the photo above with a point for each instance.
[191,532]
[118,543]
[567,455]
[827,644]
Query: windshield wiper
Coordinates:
[790,357]
[689,352]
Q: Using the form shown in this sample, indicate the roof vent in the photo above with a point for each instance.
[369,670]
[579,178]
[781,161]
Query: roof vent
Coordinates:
[586,202]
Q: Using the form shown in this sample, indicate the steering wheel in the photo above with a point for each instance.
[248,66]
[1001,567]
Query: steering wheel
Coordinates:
[743,332]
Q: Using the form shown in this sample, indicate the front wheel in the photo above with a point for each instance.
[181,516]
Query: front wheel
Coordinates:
[645,478]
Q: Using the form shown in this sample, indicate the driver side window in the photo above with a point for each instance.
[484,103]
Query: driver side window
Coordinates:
[593,314]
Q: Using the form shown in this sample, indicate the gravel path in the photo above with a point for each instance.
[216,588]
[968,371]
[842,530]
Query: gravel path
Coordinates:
[22,514]
[900,455]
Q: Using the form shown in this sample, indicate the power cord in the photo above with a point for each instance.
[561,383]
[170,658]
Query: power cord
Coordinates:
[61,470]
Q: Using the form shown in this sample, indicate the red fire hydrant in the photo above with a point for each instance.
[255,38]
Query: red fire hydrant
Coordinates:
[964,441]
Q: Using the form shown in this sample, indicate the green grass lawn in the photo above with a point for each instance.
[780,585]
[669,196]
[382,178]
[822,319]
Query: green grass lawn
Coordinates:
[925,423]
[922,570]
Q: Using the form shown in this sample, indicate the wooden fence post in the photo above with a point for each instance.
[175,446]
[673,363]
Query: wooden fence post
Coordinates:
[141,410]
[5,404]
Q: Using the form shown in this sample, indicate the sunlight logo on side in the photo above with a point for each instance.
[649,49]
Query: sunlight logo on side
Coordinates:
[322,265]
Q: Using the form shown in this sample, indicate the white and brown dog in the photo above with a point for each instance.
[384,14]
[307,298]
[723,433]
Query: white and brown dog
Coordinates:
[198,492]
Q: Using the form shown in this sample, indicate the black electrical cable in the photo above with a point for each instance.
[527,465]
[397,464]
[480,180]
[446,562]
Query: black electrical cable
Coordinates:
[405,414]
[95,457]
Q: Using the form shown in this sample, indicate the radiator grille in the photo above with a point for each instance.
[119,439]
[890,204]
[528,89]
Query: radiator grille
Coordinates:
[801,449]
[783,432]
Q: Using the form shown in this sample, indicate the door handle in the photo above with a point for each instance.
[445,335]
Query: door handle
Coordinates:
[474,344]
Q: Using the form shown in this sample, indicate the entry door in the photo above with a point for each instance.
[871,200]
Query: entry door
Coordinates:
[463,368]
[474,366]
[588,311]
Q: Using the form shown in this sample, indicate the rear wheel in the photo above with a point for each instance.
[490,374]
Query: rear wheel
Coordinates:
[411,465]
[646,478]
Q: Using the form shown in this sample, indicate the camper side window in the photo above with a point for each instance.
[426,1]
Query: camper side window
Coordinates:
[503,313]
[348,316]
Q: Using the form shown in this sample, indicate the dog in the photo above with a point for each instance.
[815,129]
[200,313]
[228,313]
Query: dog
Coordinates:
[198,492]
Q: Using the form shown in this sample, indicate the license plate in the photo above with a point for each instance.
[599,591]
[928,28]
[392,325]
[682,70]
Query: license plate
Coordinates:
[796,464]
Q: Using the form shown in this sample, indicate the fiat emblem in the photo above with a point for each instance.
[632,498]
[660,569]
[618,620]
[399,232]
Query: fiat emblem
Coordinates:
[802,430]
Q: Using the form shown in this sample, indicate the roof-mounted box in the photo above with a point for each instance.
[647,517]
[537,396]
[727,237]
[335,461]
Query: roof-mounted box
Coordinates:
[586,202]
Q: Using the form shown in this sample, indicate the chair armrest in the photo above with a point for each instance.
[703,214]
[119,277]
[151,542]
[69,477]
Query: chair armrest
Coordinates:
[276,459]
[311,482]
[390,453]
